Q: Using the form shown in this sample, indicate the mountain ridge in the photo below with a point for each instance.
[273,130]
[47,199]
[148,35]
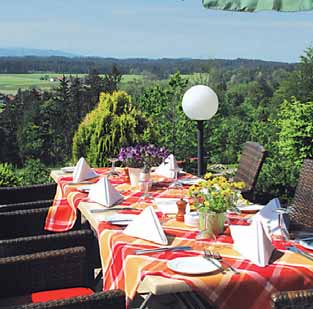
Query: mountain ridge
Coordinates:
[23,52]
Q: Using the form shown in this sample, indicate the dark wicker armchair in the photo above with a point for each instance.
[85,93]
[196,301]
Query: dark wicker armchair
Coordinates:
[12,195]
[27,197]
[250,164]
[292,299]
[23,223]
[301,209]
[20,276]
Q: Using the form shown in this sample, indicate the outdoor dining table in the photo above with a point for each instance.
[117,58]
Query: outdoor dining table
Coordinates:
[148,273]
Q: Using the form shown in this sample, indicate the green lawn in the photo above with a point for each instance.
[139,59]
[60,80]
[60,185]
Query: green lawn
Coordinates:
[9,83]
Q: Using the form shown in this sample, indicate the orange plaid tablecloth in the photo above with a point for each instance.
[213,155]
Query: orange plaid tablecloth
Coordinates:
[123,269]
[62,214]
[252,288]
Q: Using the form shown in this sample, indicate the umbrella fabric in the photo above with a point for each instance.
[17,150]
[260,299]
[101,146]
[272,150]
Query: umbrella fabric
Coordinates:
[259,5]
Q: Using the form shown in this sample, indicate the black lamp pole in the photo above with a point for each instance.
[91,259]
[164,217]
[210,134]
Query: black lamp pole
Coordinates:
[200,148]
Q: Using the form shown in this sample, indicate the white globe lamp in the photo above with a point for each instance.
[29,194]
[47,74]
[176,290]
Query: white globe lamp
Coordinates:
[200,103]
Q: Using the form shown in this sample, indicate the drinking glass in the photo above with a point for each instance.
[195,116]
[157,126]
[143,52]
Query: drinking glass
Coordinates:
[283,232]
[175,184]
[145,183]
[113,171]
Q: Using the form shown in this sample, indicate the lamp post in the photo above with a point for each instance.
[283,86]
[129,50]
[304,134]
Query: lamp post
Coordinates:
[200,103]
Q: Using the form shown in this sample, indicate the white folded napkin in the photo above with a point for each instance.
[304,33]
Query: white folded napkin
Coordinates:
[252,242]
[168,205]
[168,167]
[83,171]
[269,217]
[104,193]
[147,226]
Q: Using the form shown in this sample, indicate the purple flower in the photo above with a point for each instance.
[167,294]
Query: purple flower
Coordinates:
[143,155]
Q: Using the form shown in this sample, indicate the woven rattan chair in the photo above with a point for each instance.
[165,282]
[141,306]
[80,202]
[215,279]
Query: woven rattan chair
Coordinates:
[20,276]
[292,299]
[250,164]
[25,205]
[23,223]
[22,194]
[301,208]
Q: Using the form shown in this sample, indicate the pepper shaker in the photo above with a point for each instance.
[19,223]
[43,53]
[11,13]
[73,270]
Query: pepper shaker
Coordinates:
[181,206]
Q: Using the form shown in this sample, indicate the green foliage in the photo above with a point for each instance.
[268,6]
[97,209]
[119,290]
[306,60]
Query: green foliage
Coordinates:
[294,143]
[162,103]
[8,177]
[34,172]
[113,124]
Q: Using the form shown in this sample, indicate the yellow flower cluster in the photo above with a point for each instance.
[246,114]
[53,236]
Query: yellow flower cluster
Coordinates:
[216,193]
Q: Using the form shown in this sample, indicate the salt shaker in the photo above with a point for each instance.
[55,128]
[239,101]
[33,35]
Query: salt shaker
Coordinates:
[181,206]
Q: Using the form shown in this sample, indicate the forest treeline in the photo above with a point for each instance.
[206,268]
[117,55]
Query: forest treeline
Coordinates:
[161,68]
[270,104]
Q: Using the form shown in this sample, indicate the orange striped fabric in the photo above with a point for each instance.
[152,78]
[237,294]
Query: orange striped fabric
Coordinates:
[123,269]
[62,214]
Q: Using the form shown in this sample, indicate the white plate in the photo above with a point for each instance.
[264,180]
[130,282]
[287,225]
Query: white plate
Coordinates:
[168,205]
[190,181]
[250,208]
[84,188]
[307,243]
[68,169]
[193,265]
[120,219]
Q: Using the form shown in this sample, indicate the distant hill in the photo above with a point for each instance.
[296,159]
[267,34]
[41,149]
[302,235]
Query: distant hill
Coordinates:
[158,67]
[22,52]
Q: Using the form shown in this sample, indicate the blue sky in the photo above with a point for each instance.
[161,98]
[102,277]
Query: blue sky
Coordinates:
[153,29]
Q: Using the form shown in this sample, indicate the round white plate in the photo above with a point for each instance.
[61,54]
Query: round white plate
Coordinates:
[120,219]
[250,208]
[190,181]
[193,265]
[68,169]
[307,243]
[84,188]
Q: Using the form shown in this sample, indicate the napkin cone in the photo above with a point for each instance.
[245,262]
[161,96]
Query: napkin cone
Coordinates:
[104,193]
[167,168]
[83,171]
[252,242]
[269,217]
[147,226]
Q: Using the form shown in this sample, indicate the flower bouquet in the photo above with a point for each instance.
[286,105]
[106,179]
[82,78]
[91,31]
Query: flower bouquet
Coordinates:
[213,197]
[141,158]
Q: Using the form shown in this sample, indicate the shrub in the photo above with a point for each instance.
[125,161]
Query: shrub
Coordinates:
[113,124]
[34,172]
[8,177]
[294,143]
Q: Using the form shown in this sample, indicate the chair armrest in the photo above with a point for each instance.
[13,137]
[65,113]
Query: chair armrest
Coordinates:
[292,299]
[23,223]
[12,195]
[48,270]
[26,205]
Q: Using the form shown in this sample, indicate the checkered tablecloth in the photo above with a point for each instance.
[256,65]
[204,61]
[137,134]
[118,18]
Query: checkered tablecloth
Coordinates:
[252,288]
[62,214]
[125,270]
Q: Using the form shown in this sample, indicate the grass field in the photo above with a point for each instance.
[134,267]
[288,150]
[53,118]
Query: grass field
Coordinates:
[10,83]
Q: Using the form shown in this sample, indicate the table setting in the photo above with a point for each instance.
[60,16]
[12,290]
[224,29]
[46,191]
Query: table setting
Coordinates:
[139,240]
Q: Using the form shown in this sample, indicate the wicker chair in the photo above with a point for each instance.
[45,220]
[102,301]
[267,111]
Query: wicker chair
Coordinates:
[23,223]
[250,164]
[26,205]
[20,276]
[12,195]
[301,209]
[292,299]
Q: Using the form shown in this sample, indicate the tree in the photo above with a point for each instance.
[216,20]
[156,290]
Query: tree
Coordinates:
[113,124]
[112,80]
